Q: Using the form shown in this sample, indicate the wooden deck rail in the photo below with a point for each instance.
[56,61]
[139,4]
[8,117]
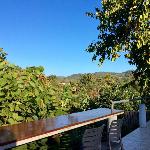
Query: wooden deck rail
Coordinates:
[127,100]
[22,133]
[142,108]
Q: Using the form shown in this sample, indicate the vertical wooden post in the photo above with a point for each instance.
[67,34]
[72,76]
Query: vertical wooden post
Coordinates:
[109,123]
[111,119]
[112,107]
[142,115]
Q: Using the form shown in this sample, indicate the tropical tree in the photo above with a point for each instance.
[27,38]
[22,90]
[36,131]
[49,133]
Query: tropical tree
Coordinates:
[124,29]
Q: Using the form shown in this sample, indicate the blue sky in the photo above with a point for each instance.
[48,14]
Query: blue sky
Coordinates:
[52,33]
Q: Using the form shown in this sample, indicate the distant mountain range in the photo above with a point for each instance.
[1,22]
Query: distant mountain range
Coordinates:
[77,76]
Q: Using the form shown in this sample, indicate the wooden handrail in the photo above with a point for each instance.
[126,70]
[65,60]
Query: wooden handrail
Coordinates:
[127,100]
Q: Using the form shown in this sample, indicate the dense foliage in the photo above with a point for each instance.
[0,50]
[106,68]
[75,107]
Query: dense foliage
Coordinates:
[124,29]
[27,94]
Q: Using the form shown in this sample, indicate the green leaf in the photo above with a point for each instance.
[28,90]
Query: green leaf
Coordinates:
[2,93]
[20,118]
[32,84]
[11,121]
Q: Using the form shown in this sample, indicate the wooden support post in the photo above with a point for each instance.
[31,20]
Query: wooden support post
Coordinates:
[142,115]
[111,119]
[114,117]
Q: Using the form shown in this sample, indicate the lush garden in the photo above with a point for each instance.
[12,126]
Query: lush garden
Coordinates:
[27,94]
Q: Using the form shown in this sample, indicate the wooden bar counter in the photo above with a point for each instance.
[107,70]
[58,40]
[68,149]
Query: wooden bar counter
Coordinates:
[18,134]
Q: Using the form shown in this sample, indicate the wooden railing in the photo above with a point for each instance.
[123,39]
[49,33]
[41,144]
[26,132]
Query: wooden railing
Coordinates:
[18,134]
[127,100]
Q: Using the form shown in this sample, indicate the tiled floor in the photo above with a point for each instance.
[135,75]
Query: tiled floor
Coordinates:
[139,139]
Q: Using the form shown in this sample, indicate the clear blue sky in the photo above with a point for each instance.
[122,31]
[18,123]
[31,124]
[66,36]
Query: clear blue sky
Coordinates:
[52,33]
